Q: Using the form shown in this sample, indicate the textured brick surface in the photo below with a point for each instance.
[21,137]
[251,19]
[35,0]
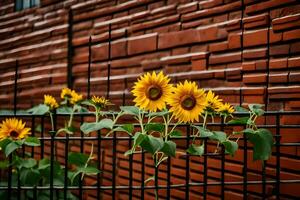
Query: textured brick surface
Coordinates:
[253,52]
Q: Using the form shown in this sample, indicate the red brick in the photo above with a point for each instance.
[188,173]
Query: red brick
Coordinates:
[119,48]
[225,58]
[291,35]
[275,37]
[177,38]
[220,46]
[278,63]
[295,47]
[255,78]
[255,38]
[234,41]
[256,21]
[286,22]
[100,52]
[248,66]
[294,77]
[294,62]
[199,65]
[279,50]
[186,8]
[255,53]
[142,44]
[261,65]
[266,5]
[278,78]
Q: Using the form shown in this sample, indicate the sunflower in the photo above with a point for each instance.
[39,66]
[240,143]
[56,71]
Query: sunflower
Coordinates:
[187,102]
[75,97]
[100,102]
[50,102]
[151,91]
[13,128]
[66,93]
[225,109]
[213,102]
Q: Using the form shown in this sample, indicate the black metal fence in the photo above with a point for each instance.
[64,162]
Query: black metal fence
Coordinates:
[134,190]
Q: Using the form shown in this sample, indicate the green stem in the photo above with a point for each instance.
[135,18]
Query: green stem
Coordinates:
[52,121]
[88,160]
[71,117]
[204,120]
[97,114]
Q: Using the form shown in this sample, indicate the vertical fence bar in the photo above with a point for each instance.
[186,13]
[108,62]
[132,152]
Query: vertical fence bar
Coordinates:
[70,49]
[89,69]
[114,166]
[187,171]
[99,178]
[52,133]
[222,164]
[245,167]
[278,138]
[169,178]
[143,176]
[109,59]
[32,152]
[66,167]
[42,136]
[130,169]
[156,180]
[205,170]
[81,151]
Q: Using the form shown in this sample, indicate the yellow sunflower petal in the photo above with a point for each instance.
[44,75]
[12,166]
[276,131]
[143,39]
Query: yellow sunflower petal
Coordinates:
[151,91]
[13,128]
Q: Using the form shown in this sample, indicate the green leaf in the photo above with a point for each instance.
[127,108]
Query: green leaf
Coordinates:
[175,133]
[28,163]
[230,147]
[4,143]
[169,148]
[78,159]
[203,132]
[32,141]
[95,126]
[155,127]
[130,110]
[152,144]
[239,121]
[85,170]
[40,109]
[158,114]
[138,138]
[218,135]
[11,147]
[88,103]
[262,141]
[256,109]
[128,128]
[240,109]
[38,128]
[4,164]
[128,152]
[196,150]
[44,163]
[64,110]
[29,177]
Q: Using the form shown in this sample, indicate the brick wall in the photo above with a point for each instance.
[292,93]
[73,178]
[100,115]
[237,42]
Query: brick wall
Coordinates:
[246,51]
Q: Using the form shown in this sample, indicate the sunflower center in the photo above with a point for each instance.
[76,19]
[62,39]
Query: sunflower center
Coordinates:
[154,92]
[14,134]
[188,102]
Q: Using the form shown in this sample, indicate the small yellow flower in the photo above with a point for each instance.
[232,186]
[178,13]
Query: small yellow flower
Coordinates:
[50,101]
[213,102]
[187,102]
[66,92]
[75,97]
[101,102]
[226,109]
[151,91]
[13,128]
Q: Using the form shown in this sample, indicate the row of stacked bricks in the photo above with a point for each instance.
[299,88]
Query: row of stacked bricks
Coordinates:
[246,51]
